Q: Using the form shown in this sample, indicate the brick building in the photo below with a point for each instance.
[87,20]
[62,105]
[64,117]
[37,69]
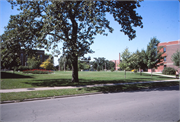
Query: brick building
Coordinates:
[169,48]
[117,62]
[40,53]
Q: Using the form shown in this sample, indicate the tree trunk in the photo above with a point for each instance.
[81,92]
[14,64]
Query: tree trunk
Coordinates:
[75,70]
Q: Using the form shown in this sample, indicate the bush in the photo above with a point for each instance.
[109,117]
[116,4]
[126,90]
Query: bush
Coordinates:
[169,71]
[22,68]
[112,69]
[47,65]
[38,71]
[34,62]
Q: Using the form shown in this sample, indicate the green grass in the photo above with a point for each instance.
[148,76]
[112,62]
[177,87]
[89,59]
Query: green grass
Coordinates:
[20,80]
[52,93]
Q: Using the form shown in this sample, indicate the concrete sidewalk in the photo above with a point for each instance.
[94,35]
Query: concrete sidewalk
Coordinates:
[157,73]
[71,87]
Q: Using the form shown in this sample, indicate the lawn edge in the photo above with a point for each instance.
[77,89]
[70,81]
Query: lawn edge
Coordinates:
[44,98]
[83,94]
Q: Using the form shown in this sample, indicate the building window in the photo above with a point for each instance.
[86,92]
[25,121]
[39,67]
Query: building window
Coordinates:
[26,64]
[21,57]
[41,58]
[164,58]
[164,49]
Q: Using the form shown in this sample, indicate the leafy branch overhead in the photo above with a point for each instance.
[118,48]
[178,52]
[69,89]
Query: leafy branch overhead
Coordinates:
[74,23]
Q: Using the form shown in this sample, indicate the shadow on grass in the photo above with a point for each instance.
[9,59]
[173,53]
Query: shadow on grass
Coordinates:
[82,82]
[67,82]
[7,75]
[161,86]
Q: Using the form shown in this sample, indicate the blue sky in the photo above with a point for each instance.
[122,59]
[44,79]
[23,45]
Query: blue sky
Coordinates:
[160,19]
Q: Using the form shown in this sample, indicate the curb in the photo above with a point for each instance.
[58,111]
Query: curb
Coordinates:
[44,98]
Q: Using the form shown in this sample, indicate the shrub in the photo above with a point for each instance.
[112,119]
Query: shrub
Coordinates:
[169,71]
[38,71]
[112,69]
[47,64]
[22,68]
[34,62]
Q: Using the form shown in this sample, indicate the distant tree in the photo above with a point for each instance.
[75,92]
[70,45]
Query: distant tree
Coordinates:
[94,65]
[176,58]
[125,64]
[126,55]
[102,63]
[34,62]
[84,63]
[133,61]
[64,62]
[75,23]
[112,64]
[153,54]
[137,60]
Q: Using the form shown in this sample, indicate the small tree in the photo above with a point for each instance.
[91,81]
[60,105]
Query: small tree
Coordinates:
[123,65]
[176,58]
[153,54]
[47,65]
[125,60]
[137,60]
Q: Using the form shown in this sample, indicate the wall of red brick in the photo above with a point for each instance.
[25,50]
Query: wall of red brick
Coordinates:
[171,47]
[117,62]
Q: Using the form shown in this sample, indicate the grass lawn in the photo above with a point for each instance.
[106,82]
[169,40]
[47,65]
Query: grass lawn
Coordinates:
[20,96]
[20,80]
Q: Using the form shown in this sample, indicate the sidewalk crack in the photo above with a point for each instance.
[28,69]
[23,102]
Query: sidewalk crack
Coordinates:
[34,115]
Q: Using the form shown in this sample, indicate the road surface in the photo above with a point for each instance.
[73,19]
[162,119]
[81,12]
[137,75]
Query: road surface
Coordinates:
[160,105]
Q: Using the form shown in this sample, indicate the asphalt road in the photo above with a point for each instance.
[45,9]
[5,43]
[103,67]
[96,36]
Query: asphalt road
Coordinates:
[160,105]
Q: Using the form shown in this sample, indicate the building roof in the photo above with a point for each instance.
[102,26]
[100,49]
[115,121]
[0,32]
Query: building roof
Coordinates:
[169,43]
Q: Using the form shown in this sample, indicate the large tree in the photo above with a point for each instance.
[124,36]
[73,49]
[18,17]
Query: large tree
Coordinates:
[74,23]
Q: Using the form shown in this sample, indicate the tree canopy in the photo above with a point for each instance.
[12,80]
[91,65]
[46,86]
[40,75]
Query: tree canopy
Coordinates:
[153,54]
[43,24]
